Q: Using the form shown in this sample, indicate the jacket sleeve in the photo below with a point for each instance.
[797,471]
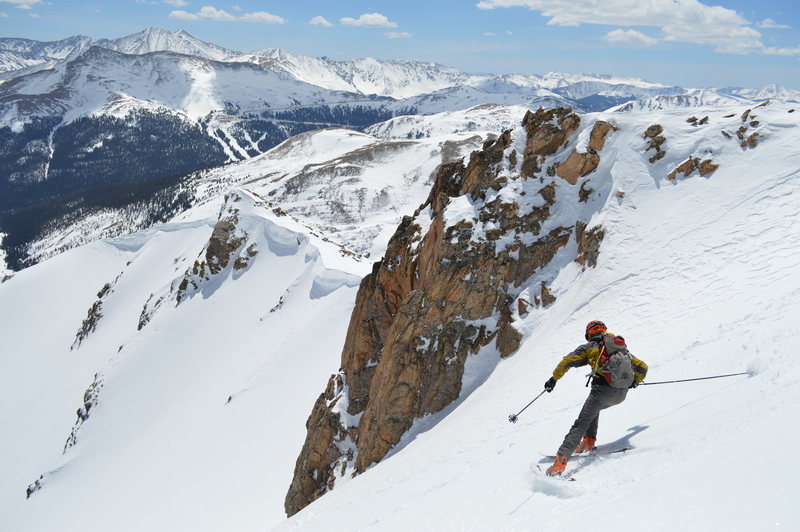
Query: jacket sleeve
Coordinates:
[639,369]
[576,359]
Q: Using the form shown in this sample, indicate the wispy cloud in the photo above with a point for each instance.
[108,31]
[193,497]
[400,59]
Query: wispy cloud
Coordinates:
[631,38]
[205,13]
[320,21]
[782,51]
[212,13]
[176,3]
[375,20]
[398,34]
[489,34]
[3,15]
[689,21]
[22,4]
[769,24]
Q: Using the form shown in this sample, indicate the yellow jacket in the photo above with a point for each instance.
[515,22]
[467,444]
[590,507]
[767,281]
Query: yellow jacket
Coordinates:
[589,353]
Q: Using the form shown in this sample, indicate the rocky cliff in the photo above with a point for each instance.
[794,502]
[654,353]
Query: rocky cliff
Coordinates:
[479,252]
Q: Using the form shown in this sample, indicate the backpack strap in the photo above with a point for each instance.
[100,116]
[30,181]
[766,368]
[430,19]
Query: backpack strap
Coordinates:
[600,360]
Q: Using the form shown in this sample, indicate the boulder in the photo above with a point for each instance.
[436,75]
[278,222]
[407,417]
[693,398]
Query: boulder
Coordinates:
[653,131]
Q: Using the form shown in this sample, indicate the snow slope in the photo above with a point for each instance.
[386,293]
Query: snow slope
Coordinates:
[200,415]
[700,275]
[221,378]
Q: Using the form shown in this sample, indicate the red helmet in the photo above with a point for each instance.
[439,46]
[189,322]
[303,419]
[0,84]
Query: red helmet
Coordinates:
[594,328]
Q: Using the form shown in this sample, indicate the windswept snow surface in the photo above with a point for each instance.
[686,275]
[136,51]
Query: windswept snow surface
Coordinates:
[201,414]
[701,277]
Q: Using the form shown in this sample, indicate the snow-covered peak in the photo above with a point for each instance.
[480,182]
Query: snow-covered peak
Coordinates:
[160,40]
[16,54]
[691,98]
[772,91]
[560,79]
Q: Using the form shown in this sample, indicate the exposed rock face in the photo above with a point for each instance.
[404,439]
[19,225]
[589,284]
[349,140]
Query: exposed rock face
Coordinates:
[94,315]
[579,164]
[225,245]
[450,283]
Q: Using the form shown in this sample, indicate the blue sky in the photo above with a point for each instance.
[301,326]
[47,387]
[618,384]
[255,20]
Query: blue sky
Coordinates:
[685,42]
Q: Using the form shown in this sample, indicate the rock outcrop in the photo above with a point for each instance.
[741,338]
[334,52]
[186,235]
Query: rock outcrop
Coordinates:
[656,142]
[94,315]
[454,278]
[580,164]
[690,165]
[225,246]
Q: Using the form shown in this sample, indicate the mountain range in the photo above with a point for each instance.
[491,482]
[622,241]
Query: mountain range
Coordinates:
[90,125]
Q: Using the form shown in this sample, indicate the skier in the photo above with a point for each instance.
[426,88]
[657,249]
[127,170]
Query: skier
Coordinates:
[609,386]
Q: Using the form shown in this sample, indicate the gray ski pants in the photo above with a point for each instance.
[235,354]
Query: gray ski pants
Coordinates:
[600,398]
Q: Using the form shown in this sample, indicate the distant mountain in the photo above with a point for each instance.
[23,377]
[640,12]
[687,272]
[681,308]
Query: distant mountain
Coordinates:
[691,98]
[84,123]
[396,79]
[766,92]
[21,53]
[159,40]
[17,54]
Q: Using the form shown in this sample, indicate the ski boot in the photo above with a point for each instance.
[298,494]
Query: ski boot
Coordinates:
[586,445]
[558,466]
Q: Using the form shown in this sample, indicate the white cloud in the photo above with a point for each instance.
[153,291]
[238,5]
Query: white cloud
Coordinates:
[629,38]
[183,15]
[509,32]
[236,7]
[3,15]
[22,4]
[320,21]
[398,34]
[176,3]
[205,13]
[263,17]
[211,13]
[370,20]
[33,15]
[769,24]
[489,34]
[689,21]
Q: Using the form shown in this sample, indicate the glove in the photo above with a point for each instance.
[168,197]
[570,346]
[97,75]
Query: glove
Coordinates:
[550,384]
[634,384]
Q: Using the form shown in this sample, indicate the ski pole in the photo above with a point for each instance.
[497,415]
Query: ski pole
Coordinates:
[513,417]
[695,379]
